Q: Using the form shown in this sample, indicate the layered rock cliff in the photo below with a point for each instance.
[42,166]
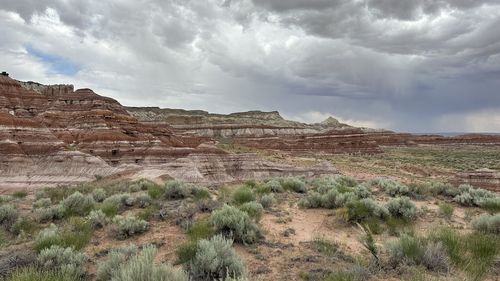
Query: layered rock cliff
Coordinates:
[55,134]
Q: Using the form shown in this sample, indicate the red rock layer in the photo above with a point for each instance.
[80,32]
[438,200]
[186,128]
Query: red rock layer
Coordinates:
[53,118]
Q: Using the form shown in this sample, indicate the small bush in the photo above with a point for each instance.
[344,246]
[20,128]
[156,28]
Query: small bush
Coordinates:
[175,190]
[99,194]
[116,257]
[75,233]
[435,257]
[402,207]
[65,260]
[147,213]
[8,216]
[115,203]
[294,184]
[155,191]
[78,204]
[312,200]
[20,194]
[200,193]
[491,205]
[129,226]
[42,203]
[392,188]
[201,229]
[242,195]
[406,249]
[253,209]
[267,200]
[487,223]
[215,259]
[474,253]
[23,226]
[446,210]
[361,210]
[186,252]
[50,214]
[142,267]
[33,274]
[324,246]
[97,219]
[235,224]
[143,200]
[470,196]
[274,186]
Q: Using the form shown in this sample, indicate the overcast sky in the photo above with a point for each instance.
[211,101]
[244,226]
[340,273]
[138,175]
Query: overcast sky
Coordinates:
[412,65]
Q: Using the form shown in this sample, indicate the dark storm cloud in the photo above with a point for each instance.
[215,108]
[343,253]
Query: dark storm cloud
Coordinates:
[408,65]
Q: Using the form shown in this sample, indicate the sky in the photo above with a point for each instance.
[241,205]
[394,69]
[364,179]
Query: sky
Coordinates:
[413,65]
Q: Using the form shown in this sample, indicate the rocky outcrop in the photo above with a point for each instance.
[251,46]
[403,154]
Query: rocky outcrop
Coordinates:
[268,130]
[55,135]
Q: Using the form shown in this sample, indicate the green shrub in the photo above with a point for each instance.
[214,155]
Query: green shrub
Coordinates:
[97,219]
[407,249]
[439,188]
[402,207]
[42,203]
[5,198]
[75,233]
[267,200]
[20,194]
[129,226]
[201,229]
[175,190]
[236,224]
[116,203]
[253,209]
[147,213]
[78,204]
[116,257]
[215,259]
[186,252]
[294,184]
[470,196]
[50,214]
[446,210]
[99,194]
[474,253]
[110,208]
[391,187]
[398,226]
[487,223]
[8,216]
[312,200]
[274,186]
[143,200]
[65,260]
[142,267]
[47,237]
[491,205]
[200,193]
[361,210]
[242,195]
[155,191]
[23,226]
[33,274]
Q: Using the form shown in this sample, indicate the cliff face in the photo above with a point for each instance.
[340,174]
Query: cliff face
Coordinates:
[54,134]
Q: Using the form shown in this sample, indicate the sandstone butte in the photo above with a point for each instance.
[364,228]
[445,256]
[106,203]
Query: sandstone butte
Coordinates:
[53,134]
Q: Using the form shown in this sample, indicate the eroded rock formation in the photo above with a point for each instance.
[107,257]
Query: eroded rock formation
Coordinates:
[54,134]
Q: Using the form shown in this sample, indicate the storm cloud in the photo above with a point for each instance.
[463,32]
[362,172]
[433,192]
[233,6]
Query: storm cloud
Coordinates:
[416,65]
